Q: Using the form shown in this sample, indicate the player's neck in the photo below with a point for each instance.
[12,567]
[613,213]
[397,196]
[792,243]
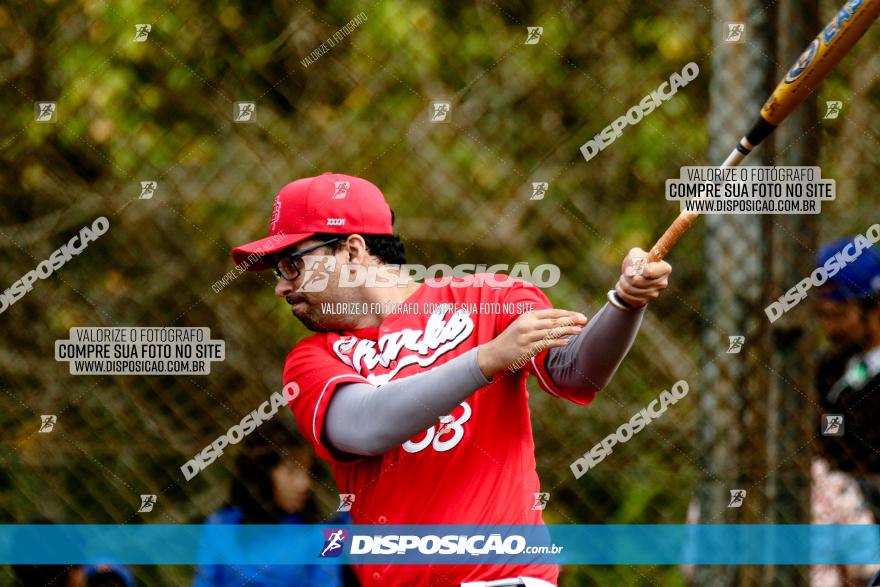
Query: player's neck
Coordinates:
[388,298]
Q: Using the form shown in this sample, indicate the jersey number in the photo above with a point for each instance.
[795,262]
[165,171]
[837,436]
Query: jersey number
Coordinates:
[447,437]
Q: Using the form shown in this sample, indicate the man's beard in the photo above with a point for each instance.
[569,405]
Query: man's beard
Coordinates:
[313,323]
[321,322]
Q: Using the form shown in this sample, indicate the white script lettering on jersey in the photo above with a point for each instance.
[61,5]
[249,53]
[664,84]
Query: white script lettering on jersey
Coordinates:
[440,336]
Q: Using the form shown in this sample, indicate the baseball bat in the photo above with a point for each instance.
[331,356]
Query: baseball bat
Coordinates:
[814,64]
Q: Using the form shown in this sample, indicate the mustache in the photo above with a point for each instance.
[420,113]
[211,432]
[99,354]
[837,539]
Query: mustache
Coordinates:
[294,299]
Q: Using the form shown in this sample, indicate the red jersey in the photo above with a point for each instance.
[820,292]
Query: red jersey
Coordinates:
[475,466]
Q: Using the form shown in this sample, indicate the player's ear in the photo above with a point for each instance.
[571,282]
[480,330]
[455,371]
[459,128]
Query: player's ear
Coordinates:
[357,249]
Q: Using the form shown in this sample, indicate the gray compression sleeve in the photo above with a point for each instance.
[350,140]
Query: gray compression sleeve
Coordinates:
[590,360]
[366,420]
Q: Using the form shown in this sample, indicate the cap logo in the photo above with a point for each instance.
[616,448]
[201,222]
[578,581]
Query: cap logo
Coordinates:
[336,222]
[341,190]
[276,213]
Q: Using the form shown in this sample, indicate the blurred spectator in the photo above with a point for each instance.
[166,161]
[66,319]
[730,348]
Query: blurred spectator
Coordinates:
[846,478]
[837,499]
[272,485]
[844,303]
[108,575]
[848,378]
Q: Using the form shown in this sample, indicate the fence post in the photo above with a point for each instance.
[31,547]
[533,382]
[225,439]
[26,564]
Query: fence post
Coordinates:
[733,392]
[793,418]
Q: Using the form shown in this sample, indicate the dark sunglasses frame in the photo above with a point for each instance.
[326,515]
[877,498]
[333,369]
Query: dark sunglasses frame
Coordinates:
[293,257]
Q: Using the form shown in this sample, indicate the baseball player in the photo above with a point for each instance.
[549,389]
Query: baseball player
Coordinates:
[423,415]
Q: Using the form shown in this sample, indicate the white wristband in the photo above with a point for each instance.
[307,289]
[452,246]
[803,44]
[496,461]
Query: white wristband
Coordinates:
[616,301]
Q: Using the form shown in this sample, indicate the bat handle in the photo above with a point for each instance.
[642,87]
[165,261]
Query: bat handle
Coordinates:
[659,250]
[675,231]
[684,221]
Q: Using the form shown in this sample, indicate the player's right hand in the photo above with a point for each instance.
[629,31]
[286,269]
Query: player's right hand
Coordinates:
[527,336]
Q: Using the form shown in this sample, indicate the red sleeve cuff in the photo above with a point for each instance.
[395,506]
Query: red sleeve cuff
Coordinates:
[316,426]
[580,397]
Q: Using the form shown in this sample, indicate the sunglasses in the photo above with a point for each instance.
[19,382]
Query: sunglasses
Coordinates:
[290,266]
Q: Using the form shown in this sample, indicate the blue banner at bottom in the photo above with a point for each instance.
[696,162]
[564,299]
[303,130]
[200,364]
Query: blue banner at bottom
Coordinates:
[711,544]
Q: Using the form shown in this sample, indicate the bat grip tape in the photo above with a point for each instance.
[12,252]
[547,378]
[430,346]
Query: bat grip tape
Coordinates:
[760,131]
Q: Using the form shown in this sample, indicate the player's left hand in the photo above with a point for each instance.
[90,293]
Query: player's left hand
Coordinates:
[640,281]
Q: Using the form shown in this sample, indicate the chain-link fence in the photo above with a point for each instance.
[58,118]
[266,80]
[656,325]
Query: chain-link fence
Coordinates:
[135,105]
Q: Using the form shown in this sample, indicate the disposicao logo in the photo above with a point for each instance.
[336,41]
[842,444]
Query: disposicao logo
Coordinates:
[334,543]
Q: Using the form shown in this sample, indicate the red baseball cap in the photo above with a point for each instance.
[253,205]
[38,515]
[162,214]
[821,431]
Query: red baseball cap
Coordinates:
[327,203]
